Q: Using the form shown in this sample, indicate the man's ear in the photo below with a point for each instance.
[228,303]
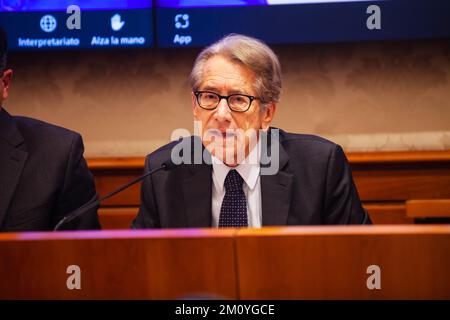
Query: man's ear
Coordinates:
[268,115]
[6,82]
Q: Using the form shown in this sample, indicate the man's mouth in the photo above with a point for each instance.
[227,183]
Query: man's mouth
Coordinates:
[224,134]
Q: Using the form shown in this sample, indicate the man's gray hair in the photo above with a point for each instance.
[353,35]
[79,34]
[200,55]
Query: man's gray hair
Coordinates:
[250,53]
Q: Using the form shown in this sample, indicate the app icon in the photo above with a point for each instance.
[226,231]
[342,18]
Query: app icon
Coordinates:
[181,21]
[48,23]
[116,22]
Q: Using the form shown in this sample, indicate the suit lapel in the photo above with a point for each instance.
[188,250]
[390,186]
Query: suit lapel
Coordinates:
[12,160]
[197,187]
[197,192]
[276,192]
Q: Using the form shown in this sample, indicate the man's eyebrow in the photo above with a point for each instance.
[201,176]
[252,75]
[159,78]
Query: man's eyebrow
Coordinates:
[210,88]
[237,91]
[232,91]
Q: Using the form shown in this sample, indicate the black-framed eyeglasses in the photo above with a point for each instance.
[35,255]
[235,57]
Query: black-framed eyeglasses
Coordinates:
[236,102]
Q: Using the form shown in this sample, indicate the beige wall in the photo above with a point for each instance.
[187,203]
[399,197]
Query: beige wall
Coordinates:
[365,96]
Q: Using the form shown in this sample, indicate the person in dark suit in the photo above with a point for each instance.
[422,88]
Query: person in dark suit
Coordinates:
[236,86]
[43,175]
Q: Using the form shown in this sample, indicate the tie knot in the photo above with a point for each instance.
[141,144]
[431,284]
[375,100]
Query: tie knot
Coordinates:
[233,181]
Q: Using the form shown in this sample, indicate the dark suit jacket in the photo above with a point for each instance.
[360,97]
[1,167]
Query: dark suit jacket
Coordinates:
[43,176]
[313,186]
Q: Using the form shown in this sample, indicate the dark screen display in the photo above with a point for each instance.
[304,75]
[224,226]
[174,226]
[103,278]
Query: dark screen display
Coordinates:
[40,25]
[71,24]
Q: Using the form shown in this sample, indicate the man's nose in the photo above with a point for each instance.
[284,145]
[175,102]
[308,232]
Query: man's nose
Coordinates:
[223,113]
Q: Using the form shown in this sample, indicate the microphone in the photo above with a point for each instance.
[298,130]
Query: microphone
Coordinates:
[167,165]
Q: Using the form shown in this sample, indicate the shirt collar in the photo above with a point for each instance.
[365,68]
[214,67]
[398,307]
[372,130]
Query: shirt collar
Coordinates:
[249,170]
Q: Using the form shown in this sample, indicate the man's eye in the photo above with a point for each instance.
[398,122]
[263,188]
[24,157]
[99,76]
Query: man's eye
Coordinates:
[239,99]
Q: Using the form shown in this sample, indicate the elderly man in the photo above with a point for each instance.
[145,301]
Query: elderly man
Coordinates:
[43,175]
[236,85]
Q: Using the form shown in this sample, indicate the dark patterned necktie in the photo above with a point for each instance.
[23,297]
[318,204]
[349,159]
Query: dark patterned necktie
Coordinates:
[233,212]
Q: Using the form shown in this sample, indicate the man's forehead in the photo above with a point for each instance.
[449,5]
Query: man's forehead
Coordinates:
[224,80]
[219,72]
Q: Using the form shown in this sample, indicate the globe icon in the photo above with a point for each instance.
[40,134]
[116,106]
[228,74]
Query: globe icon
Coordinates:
[48,23]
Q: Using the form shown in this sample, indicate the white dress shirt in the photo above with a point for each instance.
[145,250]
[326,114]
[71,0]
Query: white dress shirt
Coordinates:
[252,188]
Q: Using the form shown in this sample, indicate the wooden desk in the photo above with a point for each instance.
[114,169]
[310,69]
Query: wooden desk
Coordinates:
[332,262]
[270,263]
[118,264]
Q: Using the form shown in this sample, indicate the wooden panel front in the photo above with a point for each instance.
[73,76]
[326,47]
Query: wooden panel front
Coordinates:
[118,264]
[379,176]
[109,180]
[332,262]
[388,213]
[385,180]
[270,263]
[117,218]
[373,183]
[428,208]
[400,182]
